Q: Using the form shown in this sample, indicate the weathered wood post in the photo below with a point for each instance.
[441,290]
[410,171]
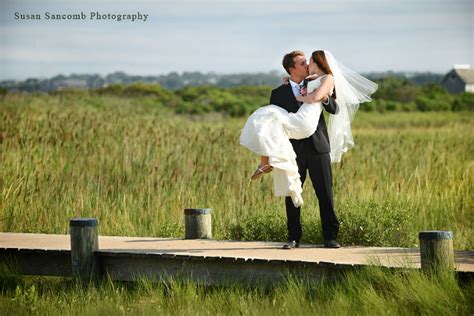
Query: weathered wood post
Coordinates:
[84,242]
[436,250]
[197,223]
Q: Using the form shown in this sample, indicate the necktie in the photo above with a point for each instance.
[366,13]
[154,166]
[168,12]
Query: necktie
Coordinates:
[300,86]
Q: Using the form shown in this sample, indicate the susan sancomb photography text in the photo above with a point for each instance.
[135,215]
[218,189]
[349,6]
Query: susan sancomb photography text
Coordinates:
[92,15]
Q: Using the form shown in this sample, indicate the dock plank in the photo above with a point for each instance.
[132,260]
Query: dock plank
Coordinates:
[353,255]
[209,261]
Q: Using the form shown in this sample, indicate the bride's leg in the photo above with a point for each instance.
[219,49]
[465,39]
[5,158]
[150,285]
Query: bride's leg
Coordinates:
[303,123]
[264,160]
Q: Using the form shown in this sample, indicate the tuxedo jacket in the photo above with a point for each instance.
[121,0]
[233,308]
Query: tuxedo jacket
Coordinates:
[283,96]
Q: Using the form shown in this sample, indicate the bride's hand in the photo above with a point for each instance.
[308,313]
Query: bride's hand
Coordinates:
[286,80]
[304,91]
[300,98]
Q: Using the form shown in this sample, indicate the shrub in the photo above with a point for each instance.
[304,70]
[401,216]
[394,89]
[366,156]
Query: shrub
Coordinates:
[361,223]
[434,98]
[269,227]
[376,224]
[233,102]
[463,102]
[3,91]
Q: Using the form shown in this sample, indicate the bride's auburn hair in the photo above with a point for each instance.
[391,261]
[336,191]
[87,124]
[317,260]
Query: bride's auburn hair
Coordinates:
[319,58]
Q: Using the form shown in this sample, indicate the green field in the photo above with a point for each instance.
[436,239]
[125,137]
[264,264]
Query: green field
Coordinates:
[136,166]
[370,291]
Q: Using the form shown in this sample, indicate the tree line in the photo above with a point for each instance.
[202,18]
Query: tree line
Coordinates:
[393,94]
[175,80]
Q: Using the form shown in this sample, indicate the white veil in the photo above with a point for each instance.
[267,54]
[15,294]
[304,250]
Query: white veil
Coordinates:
[351,90]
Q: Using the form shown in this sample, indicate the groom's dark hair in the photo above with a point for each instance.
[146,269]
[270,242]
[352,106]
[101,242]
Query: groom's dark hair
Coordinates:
[288,60]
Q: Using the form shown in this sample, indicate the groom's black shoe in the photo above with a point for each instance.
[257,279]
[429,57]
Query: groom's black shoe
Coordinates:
[291,245]
[331,244]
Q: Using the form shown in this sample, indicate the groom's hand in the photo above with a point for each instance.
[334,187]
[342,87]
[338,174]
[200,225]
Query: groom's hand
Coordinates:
[331,105]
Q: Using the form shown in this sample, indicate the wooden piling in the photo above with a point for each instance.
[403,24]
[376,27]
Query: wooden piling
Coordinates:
[436,250]
[198,223]
[84,242]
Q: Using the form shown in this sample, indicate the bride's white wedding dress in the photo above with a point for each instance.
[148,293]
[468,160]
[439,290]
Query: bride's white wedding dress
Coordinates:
[268,131]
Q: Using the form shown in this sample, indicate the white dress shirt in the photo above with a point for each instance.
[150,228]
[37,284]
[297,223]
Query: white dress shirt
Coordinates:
[296,87]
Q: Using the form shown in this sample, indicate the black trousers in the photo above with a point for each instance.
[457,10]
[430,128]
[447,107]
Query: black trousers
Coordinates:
[319,167]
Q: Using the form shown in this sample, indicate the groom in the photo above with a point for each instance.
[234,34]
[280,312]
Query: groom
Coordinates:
[312,154]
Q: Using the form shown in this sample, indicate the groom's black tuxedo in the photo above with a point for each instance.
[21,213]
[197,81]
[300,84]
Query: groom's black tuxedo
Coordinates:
[312,154]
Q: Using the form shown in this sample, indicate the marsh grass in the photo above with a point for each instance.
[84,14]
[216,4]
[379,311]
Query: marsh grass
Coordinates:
[135,166]
[369,291]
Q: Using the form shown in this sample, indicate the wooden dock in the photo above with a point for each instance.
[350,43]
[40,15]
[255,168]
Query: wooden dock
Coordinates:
[210,261]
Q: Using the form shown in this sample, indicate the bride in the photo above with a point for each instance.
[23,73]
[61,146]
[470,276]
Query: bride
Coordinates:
[269,129]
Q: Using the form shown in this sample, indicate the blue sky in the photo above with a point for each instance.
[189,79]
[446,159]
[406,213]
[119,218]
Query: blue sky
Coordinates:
[234,36]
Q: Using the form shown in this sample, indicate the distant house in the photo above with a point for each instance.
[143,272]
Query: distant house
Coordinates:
[460,79]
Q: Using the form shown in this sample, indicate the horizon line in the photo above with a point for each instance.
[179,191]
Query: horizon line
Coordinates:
[215,73]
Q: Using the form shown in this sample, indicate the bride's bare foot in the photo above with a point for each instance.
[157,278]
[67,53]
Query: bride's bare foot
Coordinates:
[262,169]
